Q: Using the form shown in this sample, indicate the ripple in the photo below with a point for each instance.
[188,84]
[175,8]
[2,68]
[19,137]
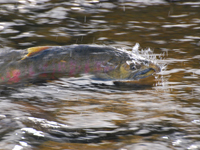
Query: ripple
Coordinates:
[190,3]
[1,27]
[178,25]
[33,132]
[95,120]
[192,37]
[56,13]
[178,16]
[85,113]
[147,146]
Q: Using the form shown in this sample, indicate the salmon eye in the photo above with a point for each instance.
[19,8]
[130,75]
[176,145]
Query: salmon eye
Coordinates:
[132,67]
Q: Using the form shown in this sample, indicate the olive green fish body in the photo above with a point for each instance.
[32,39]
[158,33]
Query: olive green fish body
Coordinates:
[74,60]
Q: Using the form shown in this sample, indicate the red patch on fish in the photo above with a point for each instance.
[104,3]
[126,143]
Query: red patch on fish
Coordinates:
[14,76]
[87,67]
[72,69]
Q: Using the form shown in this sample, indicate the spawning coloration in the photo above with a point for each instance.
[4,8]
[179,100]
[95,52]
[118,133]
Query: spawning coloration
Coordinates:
[52,61]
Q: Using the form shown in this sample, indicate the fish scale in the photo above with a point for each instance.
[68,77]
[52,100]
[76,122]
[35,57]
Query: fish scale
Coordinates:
[103,61]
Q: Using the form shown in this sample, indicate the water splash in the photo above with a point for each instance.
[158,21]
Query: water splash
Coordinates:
[137,54]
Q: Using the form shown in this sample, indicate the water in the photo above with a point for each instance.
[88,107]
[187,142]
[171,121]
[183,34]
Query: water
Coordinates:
[82,113]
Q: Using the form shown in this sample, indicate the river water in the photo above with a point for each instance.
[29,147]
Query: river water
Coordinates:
[82,113]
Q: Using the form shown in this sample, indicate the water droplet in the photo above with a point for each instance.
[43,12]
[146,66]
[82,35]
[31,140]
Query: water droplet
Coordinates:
[193,147]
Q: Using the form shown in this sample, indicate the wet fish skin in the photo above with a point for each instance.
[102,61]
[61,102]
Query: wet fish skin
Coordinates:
[73,60]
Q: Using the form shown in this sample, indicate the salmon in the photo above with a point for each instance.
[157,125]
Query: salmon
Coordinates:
[104,62]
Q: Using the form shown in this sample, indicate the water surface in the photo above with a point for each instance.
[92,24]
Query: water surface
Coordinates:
[82,113]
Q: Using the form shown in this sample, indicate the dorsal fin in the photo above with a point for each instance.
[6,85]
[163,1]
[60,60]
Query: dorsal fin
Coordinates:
[34,50]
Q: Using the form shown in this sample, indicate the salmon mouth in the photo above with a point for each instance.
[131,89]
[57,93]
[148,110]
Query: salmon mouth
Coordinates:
[143,74]
[152,68]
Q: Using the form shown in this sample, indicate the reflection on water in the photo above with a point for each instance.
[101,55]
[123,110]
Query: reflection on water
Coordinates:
[84,113]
